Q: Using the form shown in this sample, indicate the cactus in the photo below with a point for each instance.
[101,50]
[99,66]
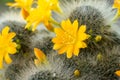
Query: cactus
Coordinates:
[99,60]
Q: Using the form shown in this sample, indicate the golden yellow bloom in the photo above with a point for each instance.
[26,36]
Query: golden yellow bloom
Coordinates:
[41,57]
[98,38]
[117,73]
[52,4]
[25,6]
[70,38]
[117,5]
[76,73]
[6,46]
[37,16]
[42,14]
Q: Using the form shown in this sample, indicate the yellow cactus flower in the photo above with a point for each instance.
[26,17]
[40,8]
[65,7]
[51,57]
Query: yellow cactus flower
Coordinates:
[70,38]
[37,16]
[41,57]
[25,6]
[117,73]
[52,4]
[7,46]
[117,5]
[42,14]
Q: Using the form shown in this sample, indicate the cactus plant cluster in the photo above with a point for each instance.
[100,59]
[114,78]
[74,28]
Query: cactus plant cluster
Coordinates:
[60,40]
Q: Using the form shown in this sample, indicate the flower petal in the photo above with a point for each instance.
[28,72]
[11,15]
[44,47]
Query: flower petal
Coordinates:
[117,73]
[59,31]
[82,29]
[56,40]
[69,51]
[8,60]
[83,45]
[35,25]
[75,26]
[62,50]
[57,46]
[82,36]
[11,35]
[1,60]
[76,51]
[28,25]
[13,4]
[37,62]
[39,54]
[24,13]
[66,25]
[12,48]
[63,24]
[5,31]
[78,44]
[116,4]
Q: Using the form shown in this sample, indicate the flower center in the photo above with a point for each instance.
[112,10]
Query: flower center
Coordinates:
[68,39]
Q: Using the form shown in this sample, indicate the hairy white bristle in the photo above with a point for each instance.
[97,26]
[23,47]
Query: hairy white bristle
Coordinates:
[55,67]
[11,16]
[102,6]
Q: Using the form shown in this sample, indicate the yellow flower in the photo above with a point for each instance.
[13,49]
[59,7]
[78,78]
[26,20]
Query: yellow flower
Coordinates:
[41,57]
[6,46]
[117,73]
[52,4]
[25,6]
[70,38]
[37,16]
[42,14]
[117,5]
